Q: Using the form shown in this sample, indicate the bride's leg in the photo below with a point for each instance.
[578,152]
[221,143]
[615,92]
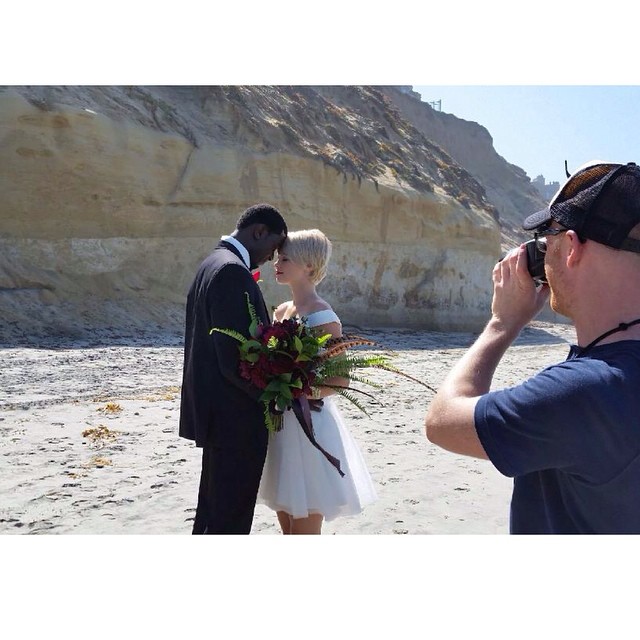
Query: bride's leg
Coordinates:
[311,525]
[285,521]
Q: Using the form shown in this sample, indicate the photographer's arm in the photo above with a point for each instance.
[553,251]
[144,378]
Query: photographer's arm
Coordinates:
[450,418]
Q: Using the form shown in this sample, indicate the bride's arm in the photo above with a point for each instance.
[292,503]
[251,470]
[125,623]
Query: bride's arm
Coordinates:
[335,329]
[280,312]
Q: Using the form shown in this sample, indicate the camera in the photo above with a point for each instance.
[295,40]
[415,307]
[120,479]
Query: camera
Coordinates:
[535,262]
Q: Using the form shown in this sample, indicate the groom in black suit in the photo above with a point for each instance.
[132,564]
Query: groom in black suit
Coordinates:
[219,409]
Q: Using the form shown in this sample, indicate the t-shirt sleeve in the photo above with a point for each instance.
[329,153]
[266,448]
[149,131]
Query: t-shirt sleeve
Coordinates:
[551,421]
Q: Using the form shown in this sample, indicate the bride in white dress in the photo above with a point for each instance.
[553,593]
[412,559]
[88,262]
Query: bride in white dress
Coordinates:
[298,482]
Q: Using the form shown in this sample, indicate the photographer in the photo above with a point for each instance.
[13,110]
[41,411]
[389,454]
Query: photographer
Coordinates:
[569,436]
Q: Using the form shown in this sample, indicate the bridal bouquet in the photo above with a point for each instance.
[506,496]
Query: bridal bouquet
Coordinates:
[290,363]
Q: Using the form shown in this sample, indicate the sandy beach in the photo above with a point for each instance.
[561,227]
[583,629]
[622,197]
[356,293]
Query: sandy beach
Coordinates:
[89,442]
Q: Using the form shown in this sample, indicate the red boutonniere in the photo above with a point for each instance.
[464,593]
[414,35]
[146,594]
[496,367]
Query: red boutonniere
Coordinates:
[256,276]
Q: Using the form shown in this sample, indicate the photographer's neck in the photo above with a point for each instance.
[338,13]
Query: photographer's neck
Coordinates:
[624,331]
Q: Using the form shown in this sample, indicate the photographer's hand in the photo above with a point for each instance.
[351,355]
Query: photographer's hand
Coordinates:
[450,421]
[516,299]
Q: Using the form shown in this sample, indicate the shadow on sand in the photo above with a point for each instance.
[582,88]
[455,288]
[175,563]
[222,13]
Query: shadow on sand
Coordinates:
[394,338]
[412,339]
[94,340]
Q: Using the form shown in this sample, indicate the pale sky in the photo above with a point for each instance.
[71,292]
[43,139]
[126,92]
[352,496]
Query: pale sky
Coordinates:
[539,127]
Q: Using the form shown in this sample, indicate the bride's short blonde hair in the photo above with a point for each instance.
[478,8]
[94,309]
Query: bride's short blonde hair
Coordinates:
[309,248]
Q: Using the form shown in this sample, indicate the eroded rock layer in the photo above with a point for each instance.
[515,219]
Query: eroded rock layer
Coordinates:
[111,196]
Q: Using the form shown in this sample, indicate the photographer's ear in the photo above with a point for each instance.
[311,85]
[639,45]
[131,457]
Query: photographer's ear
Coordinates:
[575,248]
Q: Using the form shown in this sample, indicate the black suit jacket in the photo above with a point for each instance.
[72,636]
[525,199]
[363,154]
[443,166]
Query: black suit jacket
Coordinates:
[218,407]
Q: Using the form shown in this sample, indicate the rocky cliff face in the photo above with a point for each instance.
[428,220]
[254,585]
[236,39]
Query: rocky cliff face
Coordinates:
[507,187]
[111,196]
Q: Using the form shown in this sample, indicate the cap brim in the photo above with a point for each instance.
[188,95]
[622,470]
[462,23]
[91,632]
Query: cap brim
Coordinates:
[536,220]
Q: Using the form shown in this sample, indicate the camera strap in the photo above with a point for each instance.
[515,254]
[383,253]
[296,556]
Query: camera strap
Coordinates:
[623,326]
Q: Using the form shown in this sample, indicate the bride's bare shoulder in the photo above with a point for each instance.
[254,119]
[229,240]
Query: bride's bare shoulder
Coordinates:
[321,305]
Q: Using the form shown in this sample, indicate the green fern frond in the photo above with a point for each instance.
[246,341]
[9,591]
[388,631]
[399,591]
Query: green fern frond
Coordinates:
[352,377]
[255,321]
[346,363]
[371,383]
[347,395]
[392,369]
[231,333]
[337,388]
[252,309]
[273,423]
[342,365]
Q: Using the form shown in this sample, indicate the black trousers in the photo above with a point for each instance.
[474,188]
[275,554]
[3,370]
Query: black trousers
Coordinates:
[228,490]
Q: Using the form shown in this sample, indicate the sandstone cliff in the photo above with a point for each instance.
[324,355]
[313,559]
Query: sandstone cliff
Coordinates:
[507,187]
[111,196]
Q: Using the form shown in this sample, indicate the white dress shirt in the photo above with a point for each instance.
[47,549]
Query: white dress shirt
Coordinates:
[240,247]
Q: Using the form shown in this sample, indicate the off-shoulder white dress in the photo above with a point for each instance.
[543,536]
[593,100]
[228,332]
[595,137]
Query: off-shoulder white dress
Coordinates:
[298,479]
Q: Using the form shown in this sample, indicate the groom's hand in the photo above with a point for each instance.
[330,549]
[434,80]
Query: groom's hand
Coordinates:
[273,409]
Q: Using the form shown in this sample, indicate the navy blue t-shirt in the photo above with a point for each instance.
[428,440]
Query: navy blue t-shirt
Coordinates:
[570,438]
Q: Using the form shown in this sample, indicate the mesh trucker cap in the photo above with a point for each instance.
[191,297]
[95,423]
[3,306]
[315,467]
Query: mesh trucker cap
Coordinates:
[600,201]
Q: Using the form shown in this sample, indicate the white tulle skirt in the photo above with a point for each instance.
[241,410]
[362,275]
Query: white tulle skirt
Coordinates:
[298,479]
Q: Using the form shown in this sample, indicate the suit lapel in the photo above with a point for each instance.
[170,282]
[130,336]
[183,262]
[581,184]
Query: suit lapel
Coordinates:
[266,316]
[227,245]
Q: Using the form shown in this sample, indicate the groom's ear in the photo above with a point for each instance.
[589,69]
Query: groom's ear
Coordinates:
[260,231]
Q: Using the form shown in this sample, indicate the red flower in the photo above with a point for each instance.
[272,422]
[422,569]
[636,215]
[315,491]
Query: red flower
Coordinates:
[256,275]
[277,330]
[280,364]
